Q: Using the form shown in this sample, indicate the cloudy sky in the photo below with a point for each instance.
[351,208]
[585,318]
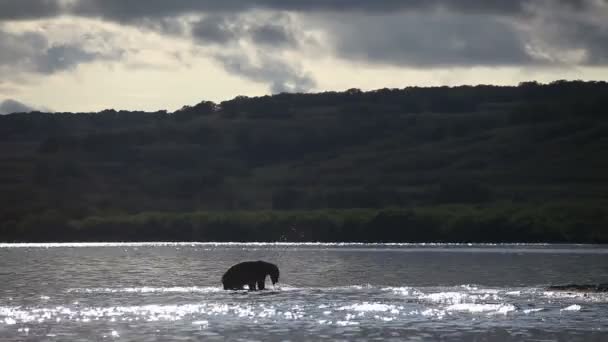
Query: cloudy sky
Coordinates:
[87,55]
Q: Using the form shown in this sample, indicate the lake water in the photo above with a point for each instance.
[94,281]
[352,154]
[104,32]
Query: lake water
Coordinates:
[412,292]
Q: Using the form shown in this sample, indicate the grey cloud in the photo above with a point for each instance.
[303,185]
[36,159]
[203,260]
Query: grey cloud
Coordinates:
[32,52]
[214,29]
[12,106]
[557,32]
[427,41]
[29,9]
[422,33]
[273,35]
[419,33]
[281,76]
[583,37]
[63,57]
[17,49]
[125,10]
[547,34]
[133,10]
[590,37]
[273,31]
[251,47]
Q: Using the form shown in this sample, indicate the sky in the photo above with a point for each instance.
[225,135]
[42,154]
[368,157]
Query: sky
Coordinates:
[90,55]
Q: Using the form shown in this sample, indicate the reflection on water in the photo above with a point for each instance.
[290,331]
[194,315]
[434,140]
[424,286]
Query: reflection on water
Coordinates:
[400,292]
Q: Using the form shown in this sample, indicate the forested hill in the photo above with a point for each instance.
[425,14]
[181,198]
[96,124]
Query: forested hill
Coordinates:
[483,163]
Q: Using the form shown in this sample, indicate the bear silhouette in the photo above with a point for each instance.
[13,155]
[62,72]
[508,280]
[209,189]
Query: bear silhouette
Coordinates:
[250,273]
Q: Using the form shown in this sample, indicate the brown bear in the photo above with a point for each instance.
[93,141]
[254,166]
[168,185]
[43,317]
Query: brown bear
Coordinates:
[250,273]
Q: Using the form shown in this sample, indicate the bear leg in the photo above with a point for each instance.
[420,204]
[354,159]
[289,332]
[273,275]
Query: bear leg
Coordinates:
[251,286]
[261,284]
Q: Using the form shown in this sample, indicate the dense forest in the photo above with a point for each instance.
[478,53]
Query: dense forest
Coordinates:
[460,164]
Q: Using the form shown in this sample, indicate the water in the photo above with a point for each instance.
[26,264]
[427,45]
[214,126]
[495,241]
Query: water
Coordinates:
[161,292]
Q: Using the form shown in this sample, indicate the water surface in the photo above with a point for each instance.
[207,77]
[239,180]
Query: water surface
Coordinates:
[171,291]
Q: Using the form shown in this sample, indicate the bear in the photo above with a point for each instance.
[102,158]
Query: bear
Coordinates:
[250,273]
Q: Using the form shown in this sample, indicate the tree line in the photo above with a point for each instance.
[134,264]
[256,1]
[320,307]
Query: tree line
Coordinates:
[530,145]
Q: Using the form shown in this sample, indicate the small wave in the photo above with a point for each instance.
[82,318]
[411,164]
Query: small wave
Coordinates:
[459,297]
[286,287]
[346,323]
[529,311]
[403,291]
[482,308]
[574,307]
[370,307]
[446,297]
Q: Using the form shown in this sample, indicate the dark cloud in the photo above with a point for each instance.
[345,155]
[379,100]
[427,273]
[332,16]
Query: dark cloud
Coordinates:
[133,10]
[16,50]
[10,106]
[62,57]
[273,35]
[557,32]
[413,33]
[549,33]
[250,46]
[421,33]
[273,31]
[29,9]
[590,38]
[32,52]
[125,10]
[280,75]
[427,41]
[215,29]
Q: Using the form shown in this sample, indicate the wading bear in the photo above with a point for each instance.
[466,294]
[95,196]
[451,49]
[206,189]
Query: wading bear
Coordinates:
[250,273]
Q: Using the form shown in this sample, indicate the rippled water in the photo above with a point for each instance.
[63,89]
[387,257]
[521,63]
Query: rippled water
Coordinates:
[163,292]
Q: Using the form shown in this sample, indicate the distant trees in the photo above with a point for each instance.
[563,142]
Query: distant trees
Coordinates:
[462,191]
[557,222]
[187,113]
[365,150]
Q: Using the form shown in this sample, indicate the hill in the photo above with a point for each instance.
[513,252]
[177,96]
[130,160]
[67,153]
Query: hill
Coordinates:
[469,163]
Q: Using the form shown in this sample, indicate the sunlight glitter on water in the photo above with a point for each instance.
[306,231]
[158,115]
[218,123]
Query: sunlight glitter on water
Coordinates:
[327,291]
[438,305]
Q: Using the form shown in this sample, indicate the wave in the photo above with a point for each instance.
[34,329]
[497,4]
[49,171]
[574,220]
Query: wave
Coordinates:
[574,307]
[482,308]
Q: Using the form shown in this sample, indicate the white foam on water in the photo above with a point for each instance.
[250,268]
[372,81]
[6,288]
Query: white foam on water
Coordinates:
[453,297]
[403,291]
[574,307]
[370,307]
[346,323]
[286,287]
[562,294]
[482,308]
[529,311]
[446,297]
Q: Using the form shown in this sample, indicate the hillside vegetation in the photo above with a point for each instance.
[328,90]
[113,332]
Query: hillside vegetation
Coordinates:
[483,163]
